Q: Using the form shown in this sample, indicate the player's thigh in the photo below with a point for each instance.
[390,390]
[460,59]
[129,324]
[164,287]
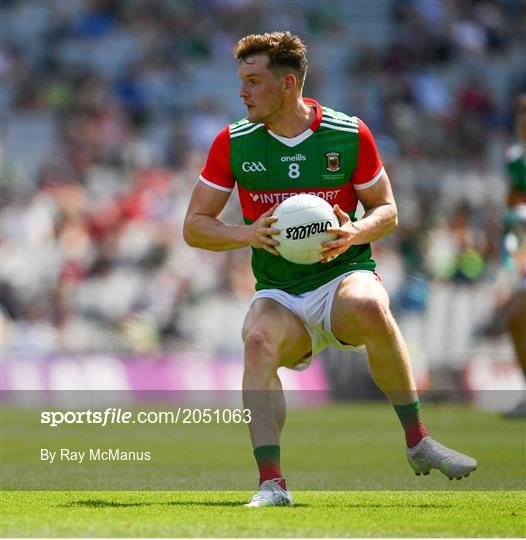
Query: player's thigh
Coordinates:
[280,328]
[517,308]
[359,299]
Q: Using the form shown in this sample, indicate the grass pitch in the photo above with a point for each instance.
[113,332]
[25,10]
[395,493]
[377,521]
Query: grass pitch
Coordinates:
[356,448]
[219,514]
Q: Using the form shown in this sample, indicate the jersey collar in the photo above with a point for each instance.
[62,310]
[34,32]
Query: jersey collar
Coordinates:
[317,120]
[291,142]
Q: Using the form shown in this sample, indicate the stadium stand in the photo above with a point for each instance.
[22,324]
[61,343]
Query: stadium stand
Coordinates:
[109,108]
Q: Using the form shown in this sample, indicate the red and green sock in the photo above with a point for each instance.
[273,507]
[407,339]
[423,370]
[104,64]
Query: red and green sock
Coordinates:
[268,460]
[411,420]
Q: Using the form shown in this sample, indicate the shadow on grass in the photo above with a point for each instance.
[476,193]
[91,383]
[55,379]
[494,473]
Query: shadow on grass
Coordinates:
[100,503]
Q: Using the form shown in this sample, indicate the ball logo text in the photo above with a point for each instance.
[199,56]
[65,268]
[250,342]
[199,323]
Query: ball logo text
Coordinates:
[303,231]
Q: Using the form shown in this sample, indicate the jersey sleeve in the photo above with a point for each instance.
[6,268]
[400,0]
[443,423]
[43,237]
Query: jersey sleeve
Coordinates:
[369,167]
[217,172]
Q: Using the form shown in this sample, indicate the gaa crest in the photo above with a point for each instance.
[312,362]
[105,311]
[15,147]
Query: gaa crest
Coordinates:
[333,161]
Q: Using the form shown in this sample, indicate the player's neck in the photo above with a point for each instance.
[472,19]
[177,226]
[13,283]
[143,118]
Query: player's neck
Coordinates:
[294,120]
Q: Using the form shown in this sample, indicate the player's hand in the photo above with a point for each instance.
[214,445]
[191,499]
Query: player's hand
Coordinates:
[261,232]
[346,233]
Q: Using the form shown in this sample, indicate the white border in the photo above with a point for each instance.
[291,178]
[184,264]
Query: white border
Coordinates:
[371,182]
[294,141]
[339,128]
[215,186]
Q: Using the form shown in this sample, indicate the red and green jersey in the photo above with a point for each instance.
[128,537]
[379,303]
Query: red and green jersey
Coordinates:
[516,165]
[332,159]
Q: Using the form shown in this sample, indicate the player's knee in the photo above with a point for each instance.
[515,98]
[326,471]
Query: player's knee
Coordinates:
[369,312]
[260,352]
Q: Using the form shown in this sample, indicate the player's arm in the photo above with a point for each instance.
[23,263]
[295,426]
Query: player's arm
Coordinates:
[202,226]
[381,216]
[203,229]
[380,219]
[373,190]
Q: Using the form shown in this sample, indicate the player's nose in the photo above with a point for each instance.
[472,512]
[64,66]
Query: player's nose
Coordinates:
[243,92]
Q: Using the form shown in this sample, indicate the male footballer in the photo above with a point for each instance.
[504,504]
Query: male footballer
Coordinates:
[289,144]
[515,246]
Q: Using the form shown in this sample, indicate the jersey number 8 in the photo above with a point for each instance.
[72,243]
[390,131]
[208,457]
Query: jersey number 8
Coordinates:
[294,170]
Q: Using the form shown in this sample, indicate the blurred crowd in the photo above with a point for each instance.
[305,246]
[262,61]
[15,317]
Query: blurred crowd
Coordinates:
[108,111]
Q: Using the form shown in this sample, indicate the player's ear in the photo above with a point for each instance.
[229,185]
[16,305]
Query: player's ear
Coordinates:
[290,82]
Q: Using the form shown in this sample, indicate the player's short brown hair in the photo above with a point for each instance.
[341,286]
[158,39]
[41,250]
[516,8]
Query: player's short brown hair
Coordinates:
[283,49]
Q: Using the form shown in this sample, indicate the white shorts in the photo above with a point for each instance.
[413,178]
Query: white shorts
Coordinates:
[314,309]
